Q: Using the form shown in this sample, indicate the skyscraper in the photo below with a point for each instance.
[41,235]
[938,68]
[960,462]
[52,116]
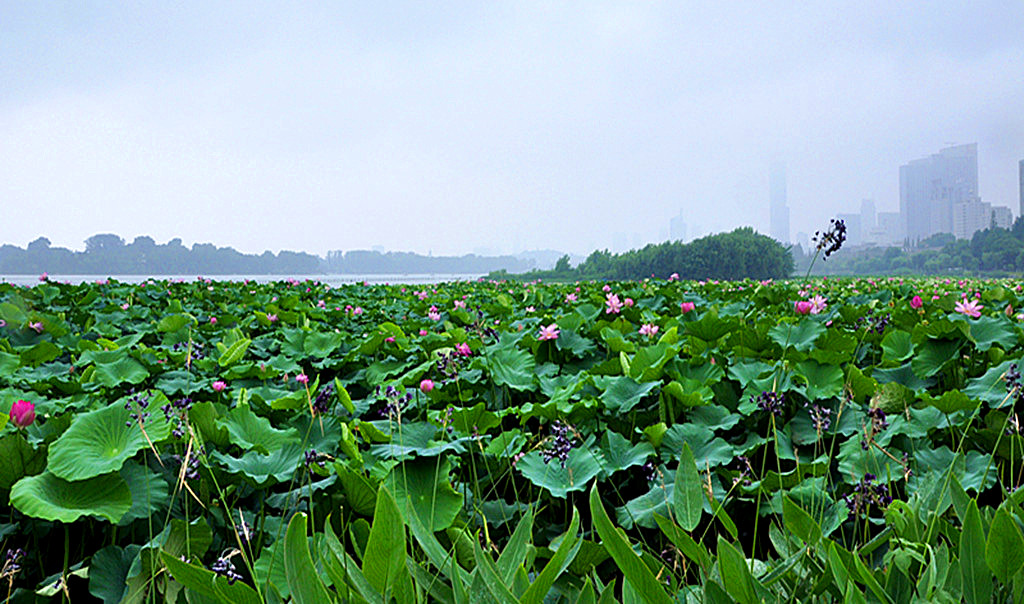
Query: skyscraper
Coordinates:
[778,211]
[931,185]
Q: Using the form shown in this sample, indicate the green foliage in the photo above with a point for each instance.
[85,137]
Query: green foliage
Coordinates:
[887,471]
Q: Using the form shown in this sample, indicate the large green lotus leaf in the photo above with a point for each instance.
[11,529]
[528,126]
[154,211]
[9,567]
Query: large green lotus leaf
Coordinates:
[618,454]
[903,375]
[119,372]
[581,466]
[897,345]
[417,438]
[708,449]
[715,417]
[422,487]
[932,356]
[101,441]
[649,361]
[320,345]
[9,363]
[149,491]
[710,327]
[991,387]
[986,331]
[574,343]
[19,459]
[833,348]
[48,497]
[822,381]
[43,352]
[261,469]
[622,393]
[973,470]
[800,336]
[108,571]
[252,432]
[511,366]
[642,509]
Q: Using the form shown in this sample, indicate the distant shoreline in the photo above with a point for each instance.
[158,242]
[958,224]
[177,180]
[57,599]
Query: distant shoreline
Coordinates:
[334,279]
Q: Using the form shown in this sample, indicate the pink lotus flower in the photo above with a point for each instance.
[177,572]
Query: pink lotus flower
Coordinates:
[530,309]
[673,277]
[423,332]
[38,326]
[390,339]
[357,310]
[648,329]
[803,307]
[570,297]
[426,386]
[302,378]
[607,288]
[434,315]
[687,307]
[548,333]
[969,307]
[614,304]
[916,302]
[125,306]
[3,323]
[460,304]
[213,320]
[23,413]
[463,349]
[44,277]
[628,302]
[818,304]
[272,318]
[219,386]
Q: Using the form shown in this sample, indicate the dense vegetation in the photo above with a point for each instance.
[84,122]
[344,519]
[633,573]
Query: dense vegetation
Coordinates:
[992,251]
[654,440]
[741,254]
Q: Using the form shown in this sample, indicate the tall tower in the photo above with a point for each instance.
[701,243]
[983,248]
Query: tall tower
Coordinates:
[931,185]
[777,208]
[1021,168]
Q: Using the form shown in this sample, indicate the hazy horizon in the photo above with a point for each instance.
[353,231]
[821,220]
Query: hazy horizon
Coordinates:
[490,127]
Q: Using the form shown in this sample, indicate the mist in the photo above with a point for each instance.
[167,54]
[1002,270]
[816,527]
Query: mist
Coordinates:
[487,127]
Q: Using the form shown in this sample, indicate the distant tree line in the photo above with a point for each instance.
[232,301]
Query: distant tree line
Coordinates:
[993,251]
[108,254]
[373,262]
[741,254]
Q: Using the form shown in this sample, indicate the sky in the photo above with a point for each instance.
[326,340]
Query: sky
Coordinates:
[487,127]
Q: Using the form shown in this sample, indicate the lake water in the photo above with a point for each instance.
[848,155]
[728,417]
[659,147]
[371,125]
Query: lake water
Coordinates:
[332,280]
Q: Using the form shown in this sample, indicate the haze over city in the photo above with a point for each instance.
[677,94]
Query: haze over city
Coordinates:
[487,127]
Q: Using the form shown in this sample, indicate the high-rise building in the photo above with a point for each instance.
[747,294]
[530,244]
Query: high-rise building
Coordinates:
[1021,168]
[777,208]
[867,216]
[930,186]
[677,228]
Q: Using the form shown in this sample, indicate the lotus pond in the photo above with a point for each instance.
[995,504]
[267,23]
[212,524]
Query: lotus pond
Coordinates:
[654,441]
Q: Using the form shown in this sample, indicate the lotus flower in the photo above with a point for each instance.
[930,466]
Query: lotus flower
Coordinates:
[548,333]
[916,302]
[23,413]
[302,378]
[803,307]
[969,307]
[648,329]
[818,304]
[38,326]
[463,349]
[272,318]
[426,386]
[687,306]
[614,304]
[219,385]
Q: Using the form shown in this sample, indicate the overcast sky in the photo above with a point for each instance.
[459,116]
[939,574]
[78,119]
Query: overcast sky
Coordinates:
[498,126]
